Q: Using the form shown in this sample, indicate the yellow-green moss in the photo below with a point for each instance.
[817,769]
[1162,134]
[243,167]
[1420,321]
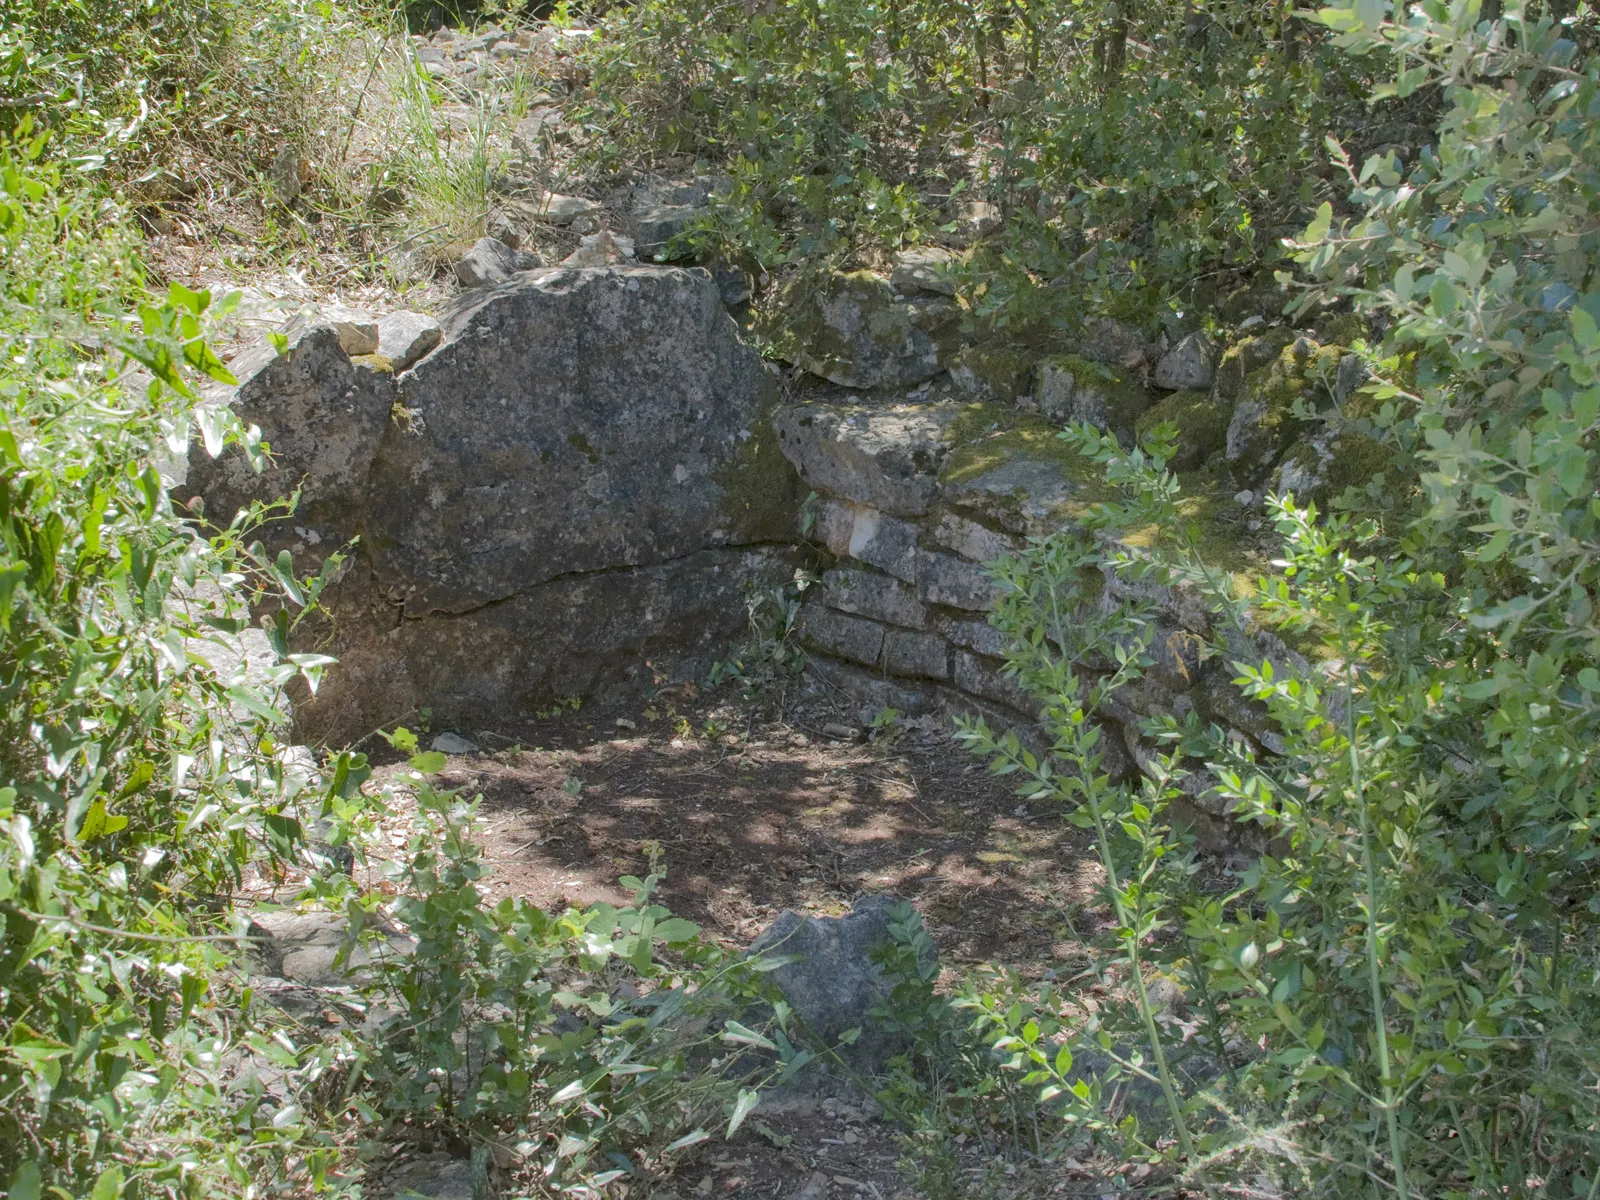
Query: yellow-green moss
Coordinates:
[1201,421]
[1270,397]
[1001,372]
[1340,329]
[1251,354]
[762,492]
[374,362]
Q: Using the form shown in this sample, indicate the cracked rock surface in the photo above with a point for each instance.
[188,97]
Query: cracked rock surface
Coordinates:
[580,477]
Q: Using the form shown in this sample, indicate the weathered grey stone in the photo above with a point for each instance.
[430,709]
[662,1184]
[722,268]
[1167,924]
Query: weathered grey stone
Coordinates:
[306,947]
[454,743]
[602,249]
[325,418]
[864,533]
[986,681]
[581,476]
[850,329]
[956,582]
[916,655]
[1073,389]
[971,220]
[404,337]
[655,227]
[532,134]
[1352,375]
[1113,343]
[924,270]
[870,690]
[887,458]
[692,193]
[855,638]
[972,540]
[835,982]
[491,261]
[437,1178]
[974,635]
[1026,494]
[564,210]
[869,594]
[1192,363]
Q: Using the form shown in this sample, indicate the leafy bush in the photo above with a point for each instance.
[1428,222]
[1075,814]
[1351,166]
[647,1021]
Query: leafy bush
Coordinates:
[1401,991]
[140,767]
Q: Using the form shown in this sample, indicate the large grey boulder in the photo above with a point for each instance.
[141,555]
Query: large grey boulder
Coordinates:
[835,980]
[581,476]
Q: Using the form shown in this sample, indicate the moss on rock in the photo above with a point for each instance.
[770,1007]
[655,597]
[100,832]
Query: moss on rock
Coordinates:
[1072,389]
[993,372]
[1201,420]
[1264,422]
[849,328]
[1246,356]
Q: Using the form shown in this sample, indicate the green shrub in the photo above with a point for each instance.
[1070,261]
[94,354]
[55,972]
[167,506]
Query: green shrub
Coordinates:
[1400,992]
[140,776]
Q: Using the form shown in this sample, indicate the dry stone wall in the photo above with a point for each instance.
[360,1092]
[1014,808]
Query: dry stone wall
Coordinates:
[912,501]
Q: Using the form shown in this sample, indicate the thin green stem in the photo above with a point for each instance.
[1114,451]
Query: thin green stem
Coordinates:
[1131,938]
[1369,857]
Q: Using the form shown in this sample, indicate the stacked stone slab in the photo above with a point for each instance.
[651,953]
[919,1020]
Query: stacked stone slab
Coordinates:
[912,503]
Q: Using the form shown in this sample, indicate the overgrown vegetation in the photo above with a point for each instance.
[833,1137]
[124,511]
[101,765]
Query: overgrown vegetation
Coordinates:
[1398,995]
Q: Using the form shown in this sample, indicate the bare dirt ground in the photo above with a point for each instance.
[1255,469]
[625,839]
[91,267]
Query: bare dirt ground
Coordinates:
[787,802]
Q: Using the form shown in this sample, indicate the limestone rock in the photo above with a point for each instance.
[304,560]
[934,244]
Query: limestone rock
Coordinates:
[1192,363]
[870,594]
[492,261]
[564,210]
[306,947]
[954,582]
[1073,389]
[453,743]
[911,655]
[325,418]
[887,458]
[971,220]
[836,982]
[850,330]
[404,337]
[602,249]
[1265,420]
[357,331]
[655,227]
[871,536]
[1113,343]
[580,476]
[993,373]
[924,270]
[1201,419]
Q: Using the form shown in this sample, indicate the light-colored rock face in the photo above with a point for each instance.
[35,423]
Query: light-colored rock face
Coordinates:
[404,337]
[582,473]
[1192,364]
[1074,389]
[491,261]
[925,270]
[886,458]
